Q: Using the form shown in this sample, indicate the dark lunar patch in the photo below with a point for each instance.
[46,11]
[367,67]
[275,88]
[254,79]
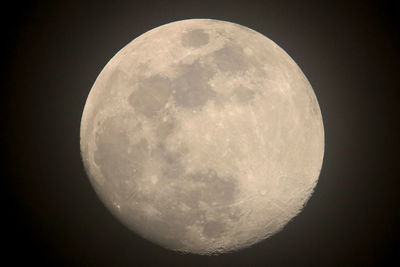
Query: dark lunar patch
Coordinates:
[230,58]
[214,229]
[118,161]
[191,198]
[201,187]
[216,189]
[165,128]
[195,38]
[151,95]
[170,157]
[243,95]
[172,169]
[206,186]
[191,88]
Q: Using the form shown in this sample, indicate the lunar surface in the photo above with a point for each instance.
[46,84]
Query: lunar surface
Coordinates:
[202,136]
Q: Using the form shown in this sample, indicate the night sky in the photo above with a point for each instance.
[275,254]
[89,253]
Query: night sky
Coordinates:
[52,54]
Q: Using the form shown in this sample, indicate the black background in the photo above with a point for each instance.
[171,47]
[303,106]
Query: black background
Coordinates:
[52,54]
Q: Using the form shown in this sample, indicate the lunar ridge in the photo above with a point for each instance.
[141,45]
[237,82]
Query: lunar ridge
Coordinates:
[202,136]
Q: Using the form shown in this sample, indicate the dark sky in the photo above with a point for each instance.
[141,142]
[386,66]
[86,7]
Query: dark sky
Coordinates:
[52,53]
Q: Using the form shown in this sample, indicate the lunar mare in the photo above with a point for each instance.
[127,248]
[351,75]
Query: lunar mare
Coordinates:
[202,136]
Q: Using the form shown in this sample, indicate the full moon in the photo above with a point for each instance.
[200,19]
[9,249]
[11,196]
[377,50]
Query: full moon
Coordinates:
[202,136]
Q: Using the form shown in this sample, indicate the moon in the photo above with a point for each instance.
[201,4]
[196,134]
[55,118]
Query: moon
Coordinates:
[202,136]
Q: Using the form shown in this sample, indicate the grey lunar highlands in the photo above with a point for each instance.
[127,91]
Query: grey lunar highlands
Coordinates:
[202,136]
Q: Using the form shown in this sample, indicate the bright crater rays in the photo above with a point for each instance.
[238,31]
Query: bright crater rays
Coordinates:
[202,136]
